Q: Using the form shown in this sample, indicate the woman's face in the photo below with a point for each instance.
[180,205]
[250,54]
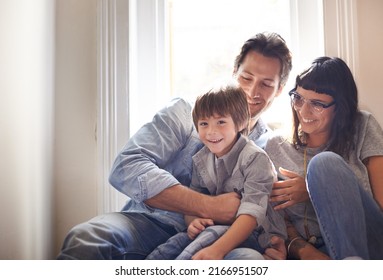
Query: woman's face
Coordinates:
[317,125]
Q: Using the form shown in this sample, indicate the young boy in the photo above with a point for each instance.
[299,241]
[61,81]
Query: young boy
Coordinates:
[229,162]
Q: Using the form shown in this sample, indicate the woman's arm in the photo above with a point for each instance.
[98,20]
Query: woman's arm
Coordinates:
[375,173]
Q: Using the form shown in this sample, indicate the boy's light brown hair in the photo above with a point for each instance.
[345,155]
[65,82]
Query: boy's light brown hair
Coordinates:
[227,100]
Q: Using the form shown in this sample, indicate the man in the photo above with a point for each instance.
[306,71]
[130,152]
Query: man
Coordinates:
[154,168]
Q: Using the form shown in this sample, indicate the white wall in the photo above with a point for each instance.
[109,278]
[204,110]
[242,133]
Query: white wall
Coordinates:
[48,105]
[26,99]
[75,150]
[370,41]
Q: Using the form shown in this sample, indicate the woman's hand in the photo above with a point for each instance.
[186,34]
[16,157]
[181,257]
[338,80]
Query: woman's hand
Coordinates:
[290,191]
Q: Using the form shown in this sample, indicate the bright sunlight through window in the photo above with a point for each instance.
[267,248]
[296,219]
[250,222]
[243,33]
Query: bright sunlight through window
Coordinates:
[206,36]
[183,47]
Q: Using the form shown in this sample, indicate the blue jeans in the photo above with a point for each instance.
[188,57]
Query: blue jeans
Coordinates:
[121,236]
[350,220]
[116,236]
[181,247]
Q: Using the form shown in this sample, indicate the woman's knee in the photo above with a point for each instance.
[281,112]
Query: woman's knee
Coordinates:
[325,161]
[327,172]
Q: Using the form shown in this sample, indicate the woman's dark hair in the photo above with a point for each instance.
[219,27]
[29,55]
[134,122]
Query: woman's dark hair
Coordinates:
[269,45]
[226,100]
[332,76]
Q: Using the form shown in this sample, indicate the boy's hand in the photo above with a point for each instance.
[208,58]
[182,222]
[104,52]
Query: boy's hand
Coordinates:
[197,226]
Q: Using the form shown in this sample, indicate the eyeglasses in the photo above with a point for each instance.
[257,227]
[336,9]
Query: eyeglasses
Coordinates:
[315,106]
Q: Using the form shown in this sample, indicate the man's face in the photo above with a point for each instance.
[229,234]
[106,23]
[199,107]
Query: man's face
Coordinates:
[259,77]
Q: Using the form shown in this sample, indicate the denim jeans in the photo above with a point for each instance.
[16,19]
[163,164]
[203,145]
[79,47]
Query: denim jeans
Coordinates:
[120,236]
[244,254]
[115,236]
[350,220]
[181,247]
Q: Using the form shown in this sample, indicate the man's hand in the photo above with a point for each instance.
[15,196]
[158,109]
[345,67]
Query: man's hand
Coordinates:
[277,251]
[222,208]
[290,191]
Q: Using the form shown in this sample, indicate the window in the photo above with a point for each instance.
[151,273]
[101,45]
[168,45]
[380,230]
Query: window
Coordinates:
[205,37]
[183,46]
[142,62]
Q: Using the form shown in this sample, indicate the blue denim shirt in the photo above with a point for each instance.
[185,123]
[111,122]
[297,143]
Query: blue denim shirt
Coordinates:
[159,156]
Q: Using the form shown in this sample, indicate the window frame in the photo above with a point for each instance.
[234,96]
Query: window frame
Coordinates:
[122,55]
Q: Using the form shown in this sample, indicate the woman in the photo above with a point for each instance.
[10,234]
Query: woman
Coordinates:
[331,170]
